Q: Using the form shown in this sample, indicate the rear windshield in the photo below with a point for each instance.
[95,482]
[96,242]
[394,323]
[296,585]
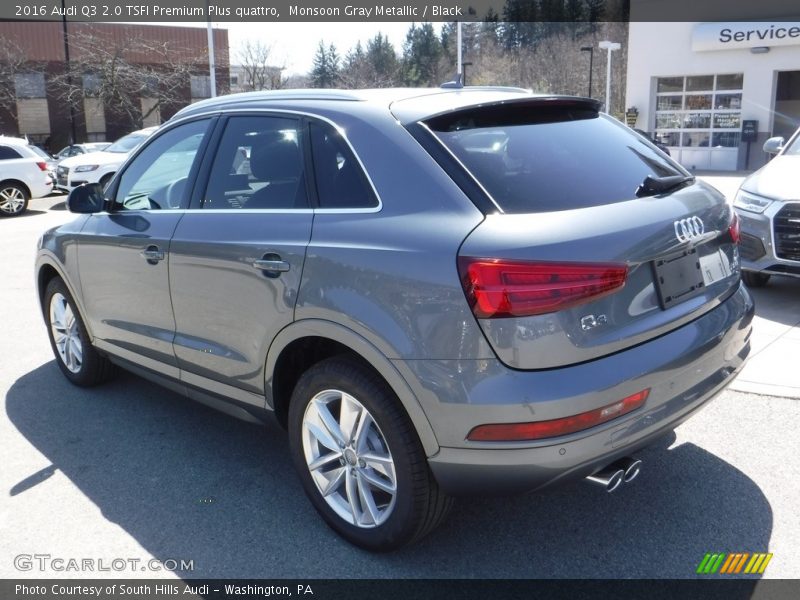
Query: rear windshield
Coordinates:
[549,158]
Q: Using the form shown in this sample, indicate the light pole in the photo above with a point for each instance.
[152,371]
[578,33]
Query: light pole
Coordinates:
[73,139]
[212,68]
[590,50]
[608,47]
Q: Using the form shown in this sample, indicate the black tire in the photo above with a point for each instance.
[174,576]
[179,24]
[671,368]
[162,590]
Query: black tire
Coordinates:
[419,505]
[755,279]
[13,199]
[94,368]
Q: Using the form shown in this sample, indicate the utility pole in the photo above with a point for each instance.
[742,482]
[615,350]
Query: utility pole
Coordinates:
[212,69]
[590,50]
[73,135]
[609,47]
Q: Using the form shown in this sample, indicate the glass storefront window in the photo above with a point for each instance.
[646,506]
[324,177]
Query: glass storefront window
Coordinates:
[700,83]
[728,101]
[730,82]
[727,120]
[669,84]
[669,103]
[696,139]
[668,138]
[726,139]
[698,101]
[697,121]
[668,121]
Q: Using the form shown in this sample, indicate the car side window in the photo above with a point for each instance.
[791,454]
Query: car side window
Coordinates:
[157,178]
[341,182]
[258,164]
[7,153]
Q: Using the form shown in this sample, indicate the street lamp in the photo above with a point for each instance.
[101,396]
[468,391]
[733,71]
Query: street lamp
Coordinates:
[609,47]
[590,50]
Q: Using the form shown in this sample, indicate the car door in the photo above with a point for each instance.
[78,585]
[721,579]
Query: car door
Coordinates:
[123,254]
[236,260]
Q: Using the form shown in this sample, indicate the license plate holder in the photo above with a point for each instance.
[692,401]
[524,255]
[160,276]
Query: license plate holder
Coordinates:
[678,277]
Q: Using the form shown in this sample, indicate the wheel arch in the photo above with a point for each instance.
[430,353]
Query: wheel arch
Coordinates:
[18,182]
[46,270]
[306,342]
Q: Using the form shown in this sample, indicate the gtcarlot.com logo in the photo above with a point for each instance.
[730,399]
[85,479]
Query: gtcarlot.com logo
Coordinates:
[734,563]
[48,562]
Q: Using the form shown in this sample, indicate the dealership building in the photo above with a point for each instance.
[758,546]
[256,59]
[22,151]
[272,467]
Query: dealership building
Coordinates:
[705,88]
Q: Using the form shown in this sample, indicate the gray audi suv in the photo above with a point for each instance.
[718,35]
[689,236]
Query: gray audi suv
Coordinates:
[436,292]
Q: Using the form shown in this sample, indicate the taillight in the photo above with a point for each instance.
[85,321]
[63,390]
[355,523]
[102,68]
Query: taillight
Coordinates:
[735,228]
[42,166]
[520,432]
[513,288]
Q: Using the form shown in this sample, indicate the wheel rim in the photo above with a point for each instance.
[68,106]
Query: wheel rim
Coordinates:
[11,200]
[66,334]
[348,459]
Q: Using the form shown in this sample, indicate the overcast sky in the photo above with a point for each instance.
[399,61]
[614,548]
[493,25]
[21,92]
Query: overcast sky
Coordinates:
[294,44]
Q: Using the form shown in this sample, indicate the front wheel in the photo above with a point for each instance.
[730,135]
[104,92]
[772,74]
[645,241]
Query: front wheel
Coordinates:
[359,458]
[75,355]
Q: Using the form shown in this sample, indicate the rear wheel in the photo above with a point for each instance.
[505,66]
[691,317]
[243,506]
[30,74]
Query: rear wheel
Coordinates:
[13,199]
[75,355]
[755,279]
[359,458]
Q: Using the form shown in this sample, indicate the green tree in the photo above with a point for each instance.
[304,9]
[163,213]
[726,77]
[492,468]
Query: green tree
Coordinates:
[382,60]
[421,53]
[325,69]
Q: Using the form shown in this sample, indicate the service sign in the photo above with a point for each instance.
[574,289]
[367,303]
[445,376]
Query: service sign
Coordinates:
[736,35]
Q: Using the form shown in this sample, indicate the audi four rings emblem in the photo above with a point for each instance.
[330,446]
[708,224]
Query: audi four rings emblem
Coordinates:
[689,229]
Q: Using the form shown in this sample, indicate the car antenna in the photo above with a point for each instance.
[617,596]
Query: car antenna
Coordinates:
[455,83]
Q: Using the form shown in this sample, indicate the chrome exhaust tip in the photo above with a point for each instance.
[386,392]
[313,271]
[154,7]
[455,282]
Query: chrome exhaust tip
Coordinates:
[610,478]
[631,466]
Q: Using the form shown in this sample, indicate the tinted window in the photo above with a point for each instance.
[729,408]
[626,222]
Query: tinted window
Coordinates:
[340,181]
[6,153]
[157,177]
[259,164]
[535,158]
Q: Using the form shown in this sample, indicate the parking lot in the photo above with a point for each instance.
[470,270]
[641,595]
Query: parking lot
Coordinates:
[132,471]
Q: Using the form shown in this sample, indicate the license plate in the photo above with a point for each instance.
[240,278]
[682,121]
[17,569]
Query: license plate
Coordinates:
[678,277]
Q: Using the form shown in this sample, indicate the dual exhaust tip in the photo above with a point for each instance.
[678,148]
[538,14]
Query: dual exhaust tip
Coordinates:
[614,475]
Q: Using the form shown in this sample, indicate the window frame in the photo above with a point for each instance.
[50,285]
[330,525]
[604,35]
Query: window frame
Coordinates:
[111,191]
[214,139]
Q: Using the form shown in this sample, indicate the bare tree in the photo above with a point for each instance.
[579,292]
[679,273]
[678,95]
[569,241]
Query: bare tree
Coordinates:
[259,74]
[12,63]
[120,72]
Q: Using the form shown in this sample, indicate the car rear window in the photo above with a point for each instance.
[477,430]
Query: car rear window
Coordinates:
[7,153]
[550,157]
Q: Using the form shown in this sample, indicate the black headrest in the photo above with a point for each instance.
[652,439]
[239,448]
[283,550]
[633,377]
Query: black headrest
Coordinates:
[276,157]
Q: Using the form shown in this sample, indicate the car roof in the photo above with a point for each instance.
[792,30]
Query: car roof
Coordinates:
[406,104]
[14,141]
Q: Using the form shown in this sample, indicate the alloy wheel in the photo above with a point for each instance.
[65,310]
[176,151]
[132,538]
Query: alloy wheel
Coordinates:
[12,200]
[66,334]
[348,459]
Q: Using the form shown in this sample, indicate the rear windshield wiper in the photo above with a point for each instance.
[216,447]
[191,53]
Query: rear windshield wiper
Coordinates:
[652,186]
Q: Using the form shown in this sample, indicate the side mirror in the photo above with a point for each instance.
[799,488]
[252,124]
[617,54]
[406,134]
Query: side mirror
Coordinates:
[86,198]
[773,145]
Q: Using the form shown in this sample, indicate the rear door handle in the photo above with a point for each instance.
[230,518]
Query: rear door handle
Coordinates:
[152,254]
[271,266]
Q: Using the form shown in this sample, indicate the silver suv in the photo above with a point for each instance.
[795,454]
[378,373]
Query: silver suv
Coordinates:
[436,292]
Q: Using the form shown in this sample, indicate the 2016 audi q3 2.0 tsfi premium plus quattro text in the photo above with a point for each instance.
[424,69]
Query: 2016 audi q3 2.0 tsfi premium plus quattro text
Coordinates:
[436,292]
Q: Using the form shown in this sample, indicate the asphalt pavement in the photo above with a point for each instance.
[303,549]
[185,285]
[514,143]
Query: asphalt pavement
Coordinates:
[129,470]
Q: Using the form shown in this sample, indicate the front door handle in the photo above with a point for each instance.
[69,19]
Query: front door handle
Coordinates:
[152,254]
[271,266]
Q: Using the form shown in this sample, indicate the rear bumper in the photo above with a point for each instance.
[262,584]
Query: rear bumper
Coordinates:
[683,369]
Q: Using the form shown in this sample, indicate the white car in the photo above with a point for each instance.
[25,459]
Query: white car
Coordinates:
[99,167]
[23,175]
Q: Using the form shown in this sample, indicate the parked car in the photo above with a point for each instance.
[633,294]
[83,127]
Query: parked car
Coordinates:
[768,203]
[23,175]
[78,149]
[99,167]
[429,312]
